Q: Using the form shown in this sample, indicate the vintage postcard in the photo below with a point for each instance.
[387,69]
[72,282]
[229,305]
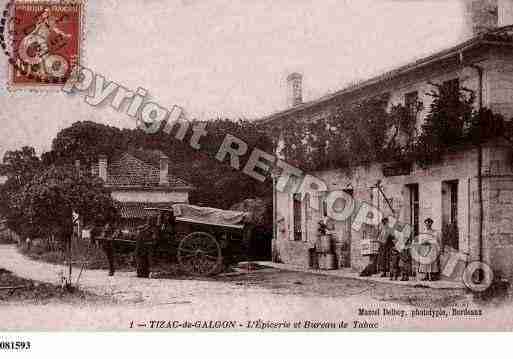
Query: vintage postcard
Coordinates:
[226,166]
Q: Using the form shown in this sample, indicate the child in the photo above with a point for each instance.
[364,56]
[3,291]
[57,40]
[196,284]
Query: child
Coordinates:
[400,263]
[395,258]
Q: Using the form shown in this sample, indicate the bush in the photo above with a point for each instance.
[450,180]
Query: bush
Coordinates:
[81,252]
[8,237]
[5,239]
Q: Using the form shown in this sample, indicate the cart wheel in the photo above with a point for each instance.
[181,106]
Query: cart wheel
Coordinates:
[199,254]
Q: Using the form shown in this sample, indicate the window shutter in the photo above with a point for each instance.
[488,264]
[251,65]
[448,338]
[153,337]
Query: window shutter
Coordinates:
[306,216]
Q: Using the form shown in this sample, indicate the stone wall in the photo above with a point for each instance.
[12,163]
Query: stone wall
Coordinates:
[458,166]
[498,205]
[499,79]
[499,225]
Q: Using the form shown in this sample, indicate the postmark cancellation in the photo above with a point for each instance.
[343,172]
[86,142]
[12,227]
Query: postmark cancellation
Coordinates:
[43,40]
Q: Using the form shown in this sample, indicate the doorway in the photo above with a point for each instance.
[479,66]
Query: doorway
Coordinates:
[413,211]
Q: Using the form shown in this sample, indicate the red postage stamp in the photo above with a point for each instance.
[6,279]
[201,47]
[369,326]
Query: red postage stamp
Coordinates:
[45,42]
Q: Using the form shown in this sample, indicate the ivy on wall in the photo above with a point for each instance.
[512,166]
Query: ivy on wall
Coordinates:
[371,131]
[351,135]
[449,117]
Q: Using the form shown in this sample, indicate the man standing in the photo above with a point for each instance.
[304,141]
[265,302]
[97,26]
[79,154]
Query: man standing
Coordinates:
[106,238]
[146,246]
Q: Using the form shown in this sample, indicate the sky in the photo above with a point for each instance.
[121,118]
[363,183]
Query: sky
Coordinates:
[230,58]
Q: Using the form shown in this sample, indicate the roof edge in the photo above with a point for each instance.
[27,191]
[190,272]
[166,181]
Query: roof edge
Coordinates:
[388,75]
[150,188]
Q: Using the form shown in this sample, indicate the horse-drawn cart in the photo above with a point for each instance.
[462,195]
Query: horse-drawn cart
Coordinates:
[201,240]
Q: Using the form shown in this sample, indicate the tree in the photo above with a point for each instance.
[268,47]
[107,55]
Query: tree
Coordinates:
[20,164]
[45,205]
[84,141]
[211,177]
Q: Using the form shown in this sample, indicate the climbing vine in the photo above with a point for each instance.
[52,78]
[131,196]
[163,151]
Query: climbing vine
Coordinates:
[372,131]
[351,135]
[445,126]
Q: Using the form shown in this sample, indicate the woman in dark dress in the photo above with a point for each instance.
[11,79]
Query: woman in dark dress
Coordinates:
[386,243]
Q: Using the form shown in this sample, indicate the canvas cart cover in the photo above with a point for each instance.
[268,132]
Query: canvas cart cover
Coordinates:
[211,215]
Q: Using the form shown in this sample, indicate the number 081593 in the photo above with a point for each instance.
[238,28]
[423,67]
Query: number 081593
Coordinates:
[15,345]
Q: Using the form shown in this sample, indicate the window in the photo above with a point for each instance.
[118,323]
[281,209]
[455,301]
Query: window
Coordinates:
[297,216]
[454,202]
[450,234]
[411,101]
[450,202]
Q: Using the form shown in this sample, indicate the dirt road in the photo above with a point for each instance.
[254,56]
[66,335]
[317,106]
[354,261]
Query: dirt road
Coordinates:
[268,295]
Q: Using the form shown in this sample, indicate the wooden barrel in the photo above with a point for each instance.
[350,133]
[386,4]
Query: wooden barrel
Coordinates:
[325,244]
[327,261]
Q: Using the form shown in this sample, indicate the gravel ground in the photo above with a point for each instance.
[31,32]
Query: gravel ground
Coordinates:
[307,284]
[268,294]
[123,287]
[26,291]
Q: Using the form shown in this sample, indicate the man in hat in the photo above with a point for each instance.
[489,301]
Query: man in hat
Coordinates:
[106,238]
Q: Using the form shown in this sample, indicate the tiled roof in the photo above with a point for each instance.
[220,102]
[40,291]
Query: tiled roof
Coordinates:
[129,210]
[139,168]
[148,156]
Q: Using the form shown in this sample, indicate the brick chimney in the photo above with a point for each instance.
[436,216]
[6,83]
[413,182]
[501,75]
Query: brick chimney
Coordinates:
[102,167]
[505,13]
[481,16]
[164,170]
[295,89]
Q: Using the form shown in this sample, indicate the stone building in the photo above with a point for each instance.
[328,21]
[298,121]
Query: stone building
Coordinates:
[448,191]
[140,179]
